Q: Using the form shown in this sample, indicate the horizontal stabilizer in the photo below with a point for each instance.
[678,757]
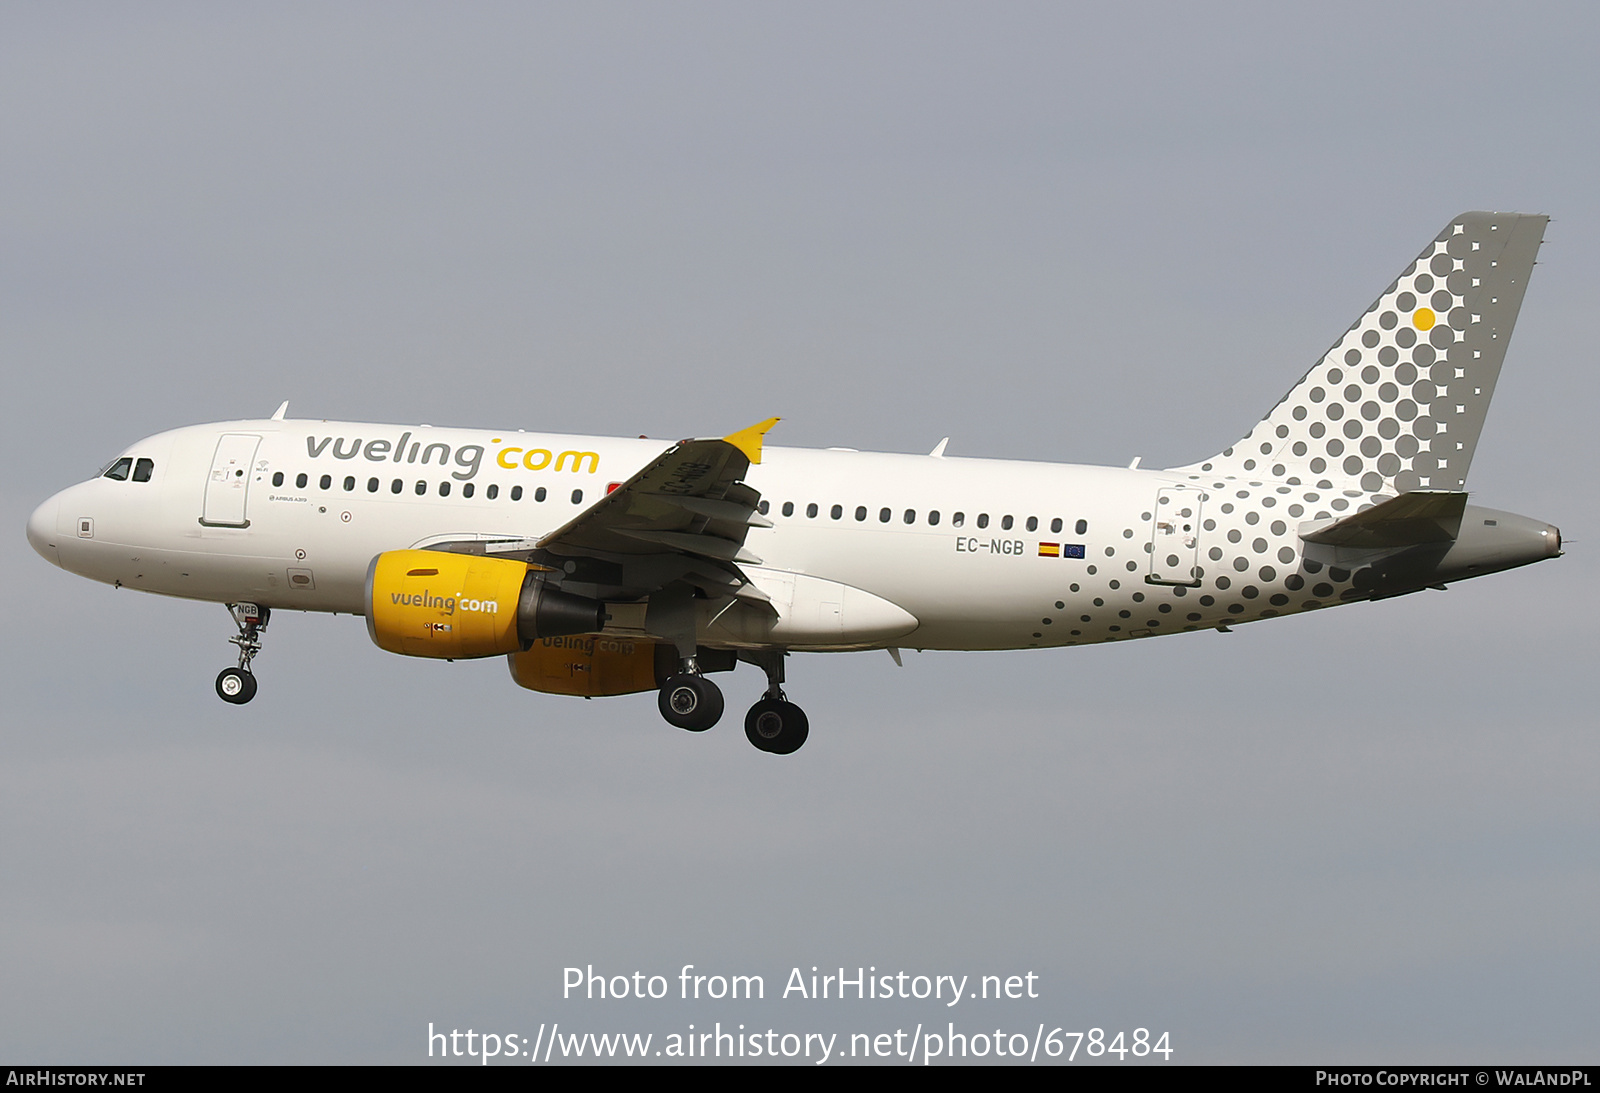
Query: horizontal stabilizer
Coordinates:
[1412,519]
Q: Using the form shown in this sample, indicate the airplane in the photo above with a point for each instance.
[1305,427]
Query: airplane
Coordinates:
[606,566]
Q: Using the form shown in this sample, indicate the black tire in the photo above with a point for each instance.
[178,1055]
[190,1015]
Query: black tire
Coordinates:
[690,702]
[776,726]
[236,686]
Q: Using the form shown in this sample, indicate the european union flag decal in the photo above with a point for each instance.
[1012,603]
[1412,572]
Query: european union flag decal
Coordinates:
[1072,550]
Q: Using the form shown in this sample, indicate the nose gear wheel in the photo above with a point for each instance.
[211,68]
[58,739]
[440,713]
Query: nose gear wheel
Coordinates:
[238,685]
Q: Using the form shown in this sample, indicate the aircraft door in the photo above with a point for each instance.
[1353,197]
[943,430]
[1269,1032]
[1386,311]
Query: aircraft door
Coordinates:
[229,484]
[1175,536]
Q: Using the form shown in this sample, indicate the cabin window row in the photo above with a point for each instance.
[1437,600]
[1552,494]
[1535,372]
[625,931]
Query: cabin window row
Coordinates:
[420,488]
[932,516]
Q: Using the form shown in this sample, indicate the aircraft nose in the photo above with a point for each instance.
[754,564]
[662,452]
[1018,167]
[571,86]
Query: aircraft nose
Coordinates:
[42,530]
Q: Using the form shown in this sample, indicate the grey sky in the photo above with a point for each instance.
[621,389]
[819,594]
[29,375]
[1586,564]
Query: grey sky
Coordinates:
[1368,835]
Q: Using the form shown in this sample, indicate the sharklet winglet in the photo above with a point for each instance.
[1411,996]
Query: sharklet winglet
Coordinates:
[748,440]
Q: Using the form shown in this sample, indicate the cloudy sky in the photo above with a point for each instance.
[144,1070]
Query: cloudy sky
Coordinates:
[1049,233]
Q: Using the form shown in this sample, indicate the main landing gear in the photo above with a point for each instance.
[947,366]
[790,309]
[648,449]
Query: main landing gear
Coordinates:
[691,701]
[775,724]
[238,685]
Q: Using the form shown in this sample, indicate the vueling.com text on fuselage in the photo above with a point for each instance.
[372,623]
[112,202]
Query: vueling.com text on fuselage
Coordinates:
[467,457]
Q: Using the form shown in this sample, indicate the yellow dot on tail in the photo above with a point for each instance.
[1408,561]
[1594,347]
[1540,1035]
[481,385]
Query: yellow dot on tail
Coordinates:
[1423,319]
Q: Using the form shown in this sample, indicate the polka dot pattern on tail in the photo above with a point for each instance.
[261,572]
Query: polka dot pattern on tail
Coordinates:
[1397,404]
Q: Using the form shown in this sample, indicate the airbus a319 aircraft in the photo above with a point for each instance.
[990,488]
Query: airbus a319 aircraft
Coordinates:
[601,566]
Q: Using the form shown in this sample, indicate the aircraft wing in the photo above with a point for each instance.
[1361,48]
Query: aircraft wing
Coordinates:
[684,516]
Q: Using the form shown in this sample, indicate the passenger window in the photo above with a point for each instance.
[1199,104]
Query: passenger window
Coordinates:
[958,519]
[119,469]
[1055,525]
[883,516]
[327,482]
[1033,523]
[492,492]
[861,512]
[422,487]
[1005,523]
[466,491]
[538,494]
[277,479]
[1083,527]
[836,512]
[444,489]
[788,508]
[349,483]
[396,486]
[911,516]
[577,497]
[142,469]
[933,518]
[372,485]
[300,481]
[764,508]
[983,519]
[811,511]
[516,493]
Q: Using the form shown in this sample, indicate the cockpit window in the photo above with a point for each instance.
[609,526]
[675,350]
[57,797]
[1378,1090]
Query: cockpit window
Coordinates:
[119,469]
[143,469]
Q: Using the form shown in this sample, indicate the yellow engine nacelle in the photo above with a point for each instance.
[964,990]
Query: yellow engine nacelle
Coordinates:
[593,665]
[431,603]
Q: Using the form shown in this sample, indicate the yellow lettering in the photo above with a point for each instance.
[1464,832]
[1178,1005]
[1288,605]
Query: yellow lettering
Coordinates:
[527,460]
[500,458]
[577,461]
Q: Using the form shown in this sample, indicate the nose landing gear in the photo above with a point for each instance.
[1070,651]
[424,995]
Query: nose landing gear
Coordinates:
[238,685]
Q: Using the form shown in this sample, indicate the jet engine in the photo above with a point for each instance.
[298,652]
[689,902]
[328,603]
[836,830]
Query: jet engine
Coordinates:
[429,603]
[593,665]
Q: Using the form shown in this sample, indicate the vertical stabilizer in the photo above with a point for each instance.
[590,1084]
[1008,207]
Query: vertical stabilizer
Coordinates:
[1398,402]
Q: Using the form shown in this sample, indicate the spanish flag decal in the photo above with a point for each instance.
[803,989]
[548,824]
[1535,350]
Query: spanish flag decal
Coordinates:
[1049,550]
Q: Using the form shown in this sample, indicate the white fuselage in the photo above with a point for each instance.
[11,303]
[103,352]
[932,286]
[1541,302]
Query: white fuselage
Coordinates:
[981,554]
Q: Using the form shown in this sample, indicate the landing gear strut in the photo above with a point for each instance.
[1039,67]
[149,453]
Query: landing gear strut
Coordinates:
[238,685]
[689,700]
[775,724]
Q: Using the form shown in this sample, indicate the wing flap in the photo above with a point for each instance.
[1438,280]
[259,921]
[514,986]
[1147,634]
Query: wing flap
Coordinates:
[690,502]
[709,546]
[731,511]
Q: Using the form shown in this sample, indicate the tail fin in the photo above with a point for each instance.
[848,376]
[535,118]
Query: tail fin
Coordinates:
[1398,402]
